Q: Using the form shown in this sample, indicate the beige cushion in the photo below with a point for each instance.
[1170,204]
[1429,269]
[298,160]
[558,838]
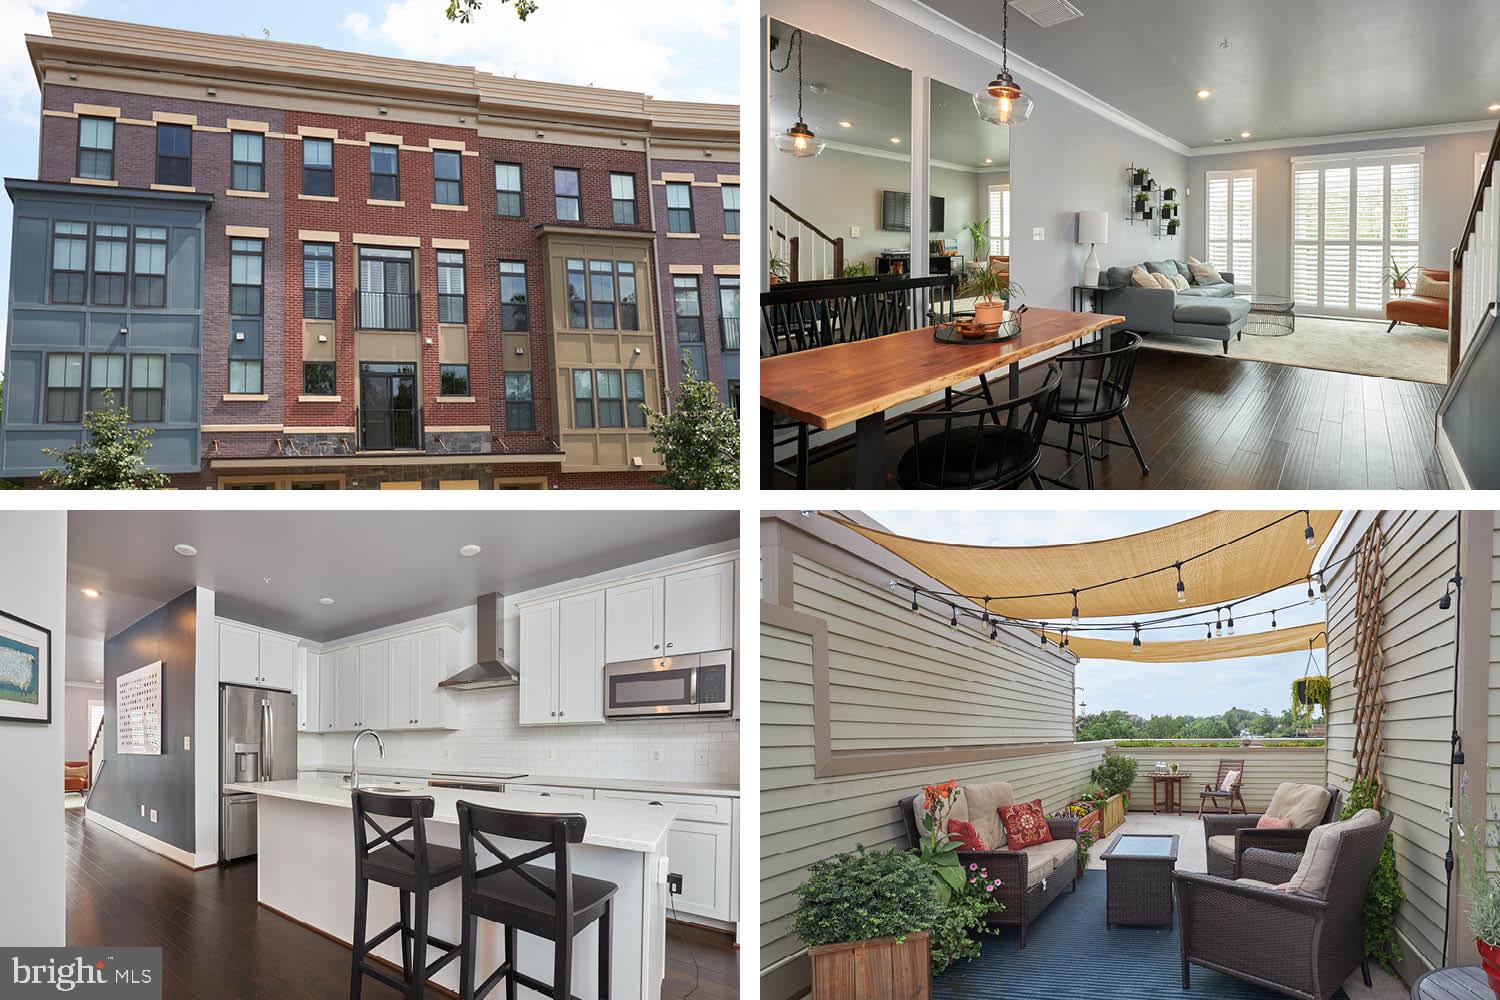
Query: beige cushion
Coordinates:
[1304,805]
[1222,845]
[1315,873]
[1044,859]
[1430,287]
[983,802]
[1179,282]
[1141,278]
[1231,778]
[81,771]
[1164,281]
[1204,274]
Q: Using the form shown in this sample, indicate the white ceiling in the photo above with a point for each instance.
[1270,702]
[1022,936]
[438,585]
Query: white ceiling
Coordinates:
[1293,68]
[270,568]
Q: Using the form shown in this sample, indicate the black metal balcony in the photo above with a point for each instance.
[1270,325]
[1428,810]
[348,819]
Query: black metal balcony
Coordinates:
[389,428]
[389,310]
[730,328]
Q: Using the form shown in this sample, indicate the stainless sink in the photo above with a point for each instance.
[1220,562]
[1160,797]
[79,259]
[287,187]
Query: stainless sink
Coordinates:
[390,789]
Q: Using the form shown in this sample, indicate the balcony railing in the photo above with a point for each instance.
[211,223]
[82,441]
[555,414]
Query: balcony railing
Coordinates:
[389,310]
[389,428]
[730,327]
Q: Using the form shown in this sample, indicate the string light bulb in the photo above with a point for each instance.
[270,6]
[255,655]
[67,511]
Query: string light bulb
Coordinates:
[953,611]
[1181,590]
[1044,639]
[1210,631]
[1308,534]
[1311,597]
[1065,639]
[994,632]
[1273,617]
[1135,644]
[1231,620]
[1218,622]
[1075,607]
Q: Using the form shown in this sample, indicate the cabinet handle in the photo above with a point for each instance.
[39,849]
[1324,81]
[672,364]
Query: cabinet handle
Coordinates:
[657,646]
[545,795]
[554,715]
[669,645]
[653,803]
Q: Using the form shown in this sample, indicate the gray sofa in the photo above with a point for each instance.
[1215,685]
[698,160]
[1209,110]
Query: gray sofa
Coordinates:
[1209,311]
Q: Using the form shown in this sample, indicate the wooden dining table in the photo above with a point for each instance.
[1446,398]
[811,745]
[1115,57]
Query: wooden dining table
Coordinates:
[858,382]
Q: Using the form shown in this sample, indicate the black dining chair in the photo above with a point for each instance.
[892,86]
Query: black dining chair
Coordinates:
[413,867]
[992,447]
[550,903]
[1095,390]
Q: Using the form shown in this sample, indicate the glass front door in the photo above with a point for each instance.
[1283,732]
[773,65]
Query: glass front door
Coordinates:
[388,407]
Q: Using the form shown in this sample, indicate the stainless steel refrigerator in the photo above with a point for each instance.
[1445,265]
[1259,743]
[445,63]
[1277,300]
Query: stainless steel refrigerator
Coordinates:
[258,742]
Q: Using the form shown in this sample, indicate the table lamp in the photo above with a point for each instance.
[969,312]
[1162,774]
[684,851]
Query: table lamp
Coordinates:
[1093,228]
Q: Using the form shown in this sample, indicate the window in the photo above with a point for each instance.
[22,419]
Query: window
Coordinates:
[318,378]
[518,413]
[317,167]
[106,376]
[1231,224]
[731,209]
[680,207]
[630,317]
[453,380]
[385,178]
[111,261]
[96,148]
[508,190]
[1352,217]
[174,155]
[611,405]
[687,306]
[247,169]
[246,258]
[150,282]
[70,257]
[450,283]
[565,190]
[583,397]
[999,220]
[729,312]
[601,295]
[64,388]
[622,198]
[147,387]
[635,398]
[732,391]
[578,296]
[514,314]
[386,299]
[317,281]
[446,176]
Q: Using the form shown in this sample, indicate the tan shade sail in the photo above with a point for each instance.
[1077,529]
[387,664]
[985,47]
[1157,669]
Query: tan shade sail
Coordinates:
[1227,647]
[1269,559]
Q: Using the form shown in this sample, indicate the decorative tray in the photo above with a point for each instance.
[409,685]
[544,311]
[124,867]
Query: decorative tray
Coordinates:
[966,331]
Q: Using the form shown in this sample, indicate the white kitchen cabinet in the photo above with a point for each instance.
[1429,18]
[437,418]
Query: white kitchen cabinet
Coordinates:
[401,709]
[327,692]
[239,654]
[538,698]
[417,663]
[701,849]
[308,690]
[374,667]
[278,661]
[551,791]
[580,659]
[346,704]
[633,621]
[699,609]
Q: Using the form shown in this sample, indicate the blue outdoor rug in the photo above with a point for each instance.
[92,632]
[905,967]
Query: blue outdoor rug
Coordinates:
[1070,953]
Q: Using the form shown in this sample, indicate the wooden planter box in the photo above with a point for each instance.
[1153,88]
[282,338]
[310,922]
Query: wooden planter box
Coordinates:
[1113,814]
[882,969]
[1092,821]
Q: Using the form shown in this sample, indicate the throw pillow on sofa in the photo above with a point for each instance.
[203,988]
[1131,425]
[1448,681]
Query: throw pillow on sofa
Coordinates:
[1164,281]
[1179,282]
[967,837]
[1266,822]
[1141,278]
[1430,288]
[1204,274]
[1025,825]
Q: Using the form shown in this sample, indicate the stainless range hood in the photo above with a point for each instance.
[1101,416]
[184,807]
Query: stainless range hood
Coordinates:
[490,669]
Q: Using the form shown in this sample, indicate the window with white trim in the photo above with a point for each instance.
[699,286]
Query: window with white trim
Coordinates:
[1352,219]
[1230,220]
[999,220]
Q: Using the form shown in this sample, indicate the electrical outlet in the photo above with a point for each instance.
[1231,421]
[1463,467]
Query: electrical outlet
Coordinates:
[674,884]
[187,743]
[658,755]
[549,754]
[153,815]
[701,756]
[854,232]
[1038,234]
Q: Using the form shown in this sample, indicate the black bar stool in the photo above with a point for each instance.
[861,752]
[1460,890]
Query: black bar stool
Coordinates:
[413,868]
[549,903]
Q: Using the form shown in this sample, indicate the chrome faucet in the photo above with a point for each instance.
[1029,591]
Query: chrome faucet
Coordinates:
[354,755]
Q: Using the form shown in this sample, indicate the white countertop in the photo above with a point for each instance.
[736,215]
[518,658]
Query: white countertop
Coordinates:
[612,823]
[565,781]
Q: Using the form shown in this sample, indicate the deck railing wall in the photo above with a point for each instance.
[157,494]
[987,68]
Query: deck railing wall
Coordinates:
[1265,768]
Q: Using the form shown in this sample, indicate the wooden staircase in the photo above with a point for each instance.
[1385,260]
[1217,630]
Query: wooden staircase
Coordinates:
[810,253]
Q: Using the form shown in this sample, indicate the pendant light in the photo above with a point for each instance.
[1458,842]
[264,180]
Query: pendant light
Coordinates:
[799,140]
[1003,102]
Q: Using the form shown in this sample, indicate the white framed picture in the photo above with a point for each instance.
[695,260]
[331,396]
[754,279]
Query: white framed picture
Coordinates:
[25,671]
[138,710]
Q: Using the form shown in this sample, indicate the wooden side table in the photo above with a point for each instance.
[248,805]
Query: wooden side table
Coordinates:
[1172,785]
[1464,983]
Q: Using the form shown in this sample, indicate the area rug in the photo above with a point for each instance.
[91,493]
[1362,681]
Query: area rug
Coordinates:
[1070,953]
[1336,345]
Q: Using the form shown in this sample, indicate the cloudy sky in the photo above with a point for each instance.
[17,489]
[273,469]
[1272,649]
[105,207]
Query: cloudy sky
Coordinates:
[672,49]
[1260,682]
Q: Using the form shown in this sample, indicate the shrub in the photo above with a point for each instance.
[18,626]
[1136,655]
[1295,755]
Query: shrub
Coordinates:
[955,933]
[862,895]
[1383,896]
[1114,774]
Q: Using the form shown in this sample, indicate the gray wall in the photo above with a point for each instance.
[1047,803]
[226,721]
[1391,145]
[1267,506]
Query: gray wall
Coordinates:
[76,718]
[1447,196]
[164,782]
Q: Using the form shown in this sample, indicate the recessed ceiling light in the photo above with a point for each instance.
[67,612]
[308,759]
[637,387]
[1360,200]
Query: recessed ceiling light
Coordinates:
[896,140]
[846,124]
[988,159]
[1246,135]
[184,549]
[1494,107]
[91,593]
[325,601]
[1205,94]
[469,551]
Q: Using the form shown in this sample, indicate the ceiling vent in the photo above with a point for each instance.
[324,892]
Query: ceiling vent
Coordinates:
[1047,13]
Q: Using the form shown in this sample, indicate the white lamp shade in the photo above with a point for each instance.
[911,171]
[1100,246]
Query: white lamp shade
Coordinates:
[1093,227]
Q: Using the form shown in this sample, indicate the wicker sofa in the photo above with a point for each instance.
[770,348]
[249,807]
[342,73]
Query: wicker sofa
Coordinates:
[1228,836]
[1032,877]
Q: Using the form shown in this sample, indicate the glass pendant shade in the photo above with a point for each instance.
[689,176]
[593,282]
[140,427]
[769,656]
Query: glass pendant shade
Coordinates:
[1003,102]
[800,141]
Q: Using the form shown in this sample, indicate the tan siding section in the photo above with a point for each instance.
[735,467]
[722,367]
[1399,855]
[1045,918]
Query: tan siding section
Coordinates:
[1417,639]
[1265,768]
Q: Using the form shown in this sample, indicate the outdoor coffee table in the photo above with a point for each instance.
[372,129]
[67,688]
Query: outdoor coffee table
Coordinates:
[1271,316]
[1138,880]
[1463,983]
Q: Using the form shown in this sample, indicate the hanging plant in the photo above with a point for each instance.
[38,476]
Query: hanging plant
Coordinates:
[1310,692]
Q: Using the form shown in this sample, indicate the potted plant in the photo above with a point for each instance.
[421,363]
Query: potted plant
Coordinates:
[779,269]
[1172,226]
[1399,275]
[1168,208]
[1170,194]
[856,269]
[1086,841]
[1146,213]
[979,235]
[1481,886]
[990,285]
[1142,177]
[1309,693]
[869,910]
[1114,776]
[966,895]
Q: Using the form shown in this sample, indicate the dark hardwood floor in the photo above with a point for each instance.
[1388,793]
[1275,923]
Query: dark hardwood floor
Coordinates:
[217,943]
[1216,423]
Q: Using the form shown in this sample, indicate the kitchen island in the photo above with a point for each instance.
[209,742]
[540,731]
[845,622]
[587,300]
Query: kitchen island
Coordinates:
[305,871]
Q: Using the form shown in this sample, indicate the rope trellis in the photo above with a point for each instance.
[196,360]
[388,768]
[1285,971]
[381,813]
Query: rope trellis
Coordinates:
[1369,661]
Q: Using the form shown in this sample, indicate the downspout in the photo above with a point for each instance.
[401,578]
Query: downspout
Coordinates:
[661,317]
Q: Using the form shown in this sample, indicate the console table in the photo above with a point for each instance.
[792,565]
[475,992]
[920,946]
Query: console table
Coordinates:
[1172,783]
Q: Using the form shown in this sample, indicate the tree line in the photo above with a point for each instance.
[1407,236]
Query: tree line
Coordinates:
[1121,725]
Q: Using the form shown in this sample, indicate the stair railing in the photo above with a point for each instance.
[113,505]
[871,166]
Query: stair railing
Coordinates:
[810,253]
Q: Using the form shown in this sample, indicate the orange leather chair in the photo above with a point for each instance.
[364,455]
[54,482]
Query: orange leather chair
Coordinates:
[75,776]
[1420,310]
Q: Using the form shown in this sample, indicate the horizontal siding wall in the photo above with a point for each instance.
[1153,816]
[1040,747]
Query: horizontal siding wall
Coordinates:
[1419,557]
[1265,768]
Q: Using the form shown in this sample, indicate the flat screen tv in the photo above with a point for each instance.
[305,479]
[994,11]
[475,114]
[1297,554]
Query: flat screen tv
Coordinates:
[895,212]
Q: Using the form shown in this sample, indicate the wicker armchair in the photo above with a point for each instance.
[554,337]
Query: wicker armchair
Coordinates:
[1022,903]
[1298,944]
[1241,827]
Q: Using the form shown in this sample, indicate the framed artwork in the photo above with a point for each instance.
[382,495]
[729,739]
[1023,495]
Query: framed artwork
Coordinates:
[25,671]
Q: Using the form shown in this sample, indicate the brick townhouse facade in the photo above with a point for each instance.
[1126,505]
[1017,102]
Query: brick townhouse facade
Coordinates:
[308,269]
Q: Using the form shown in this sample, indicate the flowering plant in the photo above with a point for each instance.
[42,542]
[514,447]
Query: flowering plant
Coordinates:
[955,934]
[939,851]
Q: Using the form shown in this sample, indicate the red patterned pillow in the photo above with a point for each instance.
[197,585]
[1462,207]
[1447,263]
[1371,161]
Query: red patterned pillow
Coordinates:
[1025,824]
[967,837]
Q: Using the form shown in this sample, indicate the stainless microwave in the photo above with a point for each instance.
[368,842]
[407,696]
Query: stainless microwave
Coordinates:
[669,685]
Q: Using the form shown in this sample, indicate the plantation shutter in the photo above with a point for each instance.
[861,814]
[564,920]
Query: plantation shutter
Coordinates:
[1000,220]
[1231,224]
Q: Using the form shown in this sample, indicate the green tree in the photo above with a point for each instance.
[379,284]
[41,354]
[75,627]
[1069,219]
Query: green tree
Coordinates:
[1163,727]
[699,441]
[112,455]
[462,10]
[1208,728]
[1113,725]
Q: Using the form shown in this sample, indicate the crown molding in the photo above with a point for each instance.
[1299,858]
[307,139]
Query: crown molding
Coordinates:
[887,154]
[1417,132]
[922,16]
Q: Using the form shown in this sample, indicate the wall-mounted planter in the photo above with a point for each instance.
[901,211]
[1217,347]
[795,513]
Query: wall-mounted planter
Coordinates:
[1141,178]
[884,967]
[1170,194]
